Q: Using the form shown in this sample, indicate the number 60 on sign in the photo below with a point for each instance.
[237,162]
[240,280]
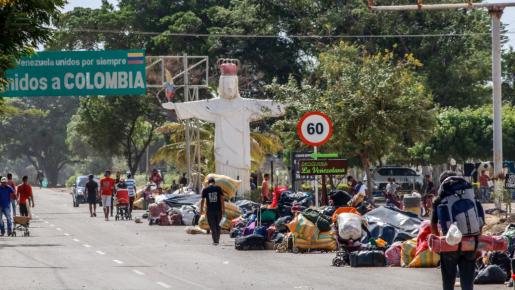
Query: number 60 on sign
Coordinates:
[315,128]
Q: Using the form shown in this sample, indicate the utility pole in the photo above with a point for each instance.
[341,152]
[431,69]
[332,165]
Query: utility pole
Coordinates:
[495,10]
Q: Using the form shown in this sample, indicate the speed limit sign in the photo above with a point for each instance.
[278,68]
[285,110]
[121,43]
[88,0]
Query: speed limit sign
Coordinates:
[315,128]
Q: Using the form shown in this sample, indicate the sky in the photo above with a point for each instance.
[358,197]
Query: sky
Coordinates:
[507,18]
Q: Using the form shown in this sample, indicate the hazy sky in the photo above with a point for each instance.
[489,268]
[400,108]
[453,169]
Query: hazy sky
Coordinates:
[507,18]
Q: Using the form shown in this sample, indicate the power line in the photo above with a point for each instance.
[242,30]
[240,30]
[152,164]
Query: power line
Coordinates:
[284,36]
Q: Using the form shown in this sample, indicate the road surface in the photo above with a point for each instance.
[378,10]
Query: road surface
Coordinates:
[69,250]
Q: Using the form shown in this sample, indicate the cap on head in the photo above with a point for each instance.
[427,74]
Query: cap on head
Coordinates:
[211,180]
[3,180]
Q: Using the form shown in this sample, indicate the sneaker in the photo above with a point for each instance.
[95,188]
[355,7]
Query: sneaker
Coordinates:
[215,244]
[95,214]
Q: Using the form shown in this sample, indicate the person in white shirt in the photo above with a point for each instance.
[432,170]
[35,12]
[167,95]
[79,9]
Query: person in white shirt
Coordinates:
[131,187]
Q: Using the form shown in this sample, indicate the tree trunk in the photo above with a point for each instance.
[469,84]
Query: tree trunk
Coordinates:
[51,174]
[366,166]
[324,190]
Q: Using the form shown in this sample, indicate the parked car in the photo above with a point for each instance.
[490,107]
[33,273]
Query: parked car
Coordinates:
[404,176]
[79,194]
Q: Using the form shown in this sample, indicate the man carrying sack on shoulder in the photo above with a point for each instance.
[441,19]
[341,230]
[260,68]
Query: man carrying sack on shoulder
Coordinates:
[214,197]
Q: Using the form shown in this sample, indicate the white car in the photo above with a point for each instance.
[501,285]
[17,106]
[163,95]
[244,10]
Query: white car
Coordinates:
[404,176]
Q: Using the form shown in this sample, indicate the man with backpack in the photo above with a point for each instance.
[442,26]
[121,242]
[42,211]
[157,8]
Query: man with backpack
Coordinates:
[457,205]
[213,196]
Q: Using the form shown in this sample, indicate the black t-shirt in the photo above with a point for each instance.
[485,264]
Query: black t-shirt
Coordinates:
[183,181]
[214,198]
[91,188]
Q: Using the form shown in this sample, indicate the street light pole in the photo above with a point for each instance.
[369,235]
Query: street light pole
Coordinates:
[495,14]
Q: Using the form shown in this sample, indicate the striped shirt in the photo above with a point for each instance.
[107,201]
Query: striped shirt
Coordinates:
[131,186]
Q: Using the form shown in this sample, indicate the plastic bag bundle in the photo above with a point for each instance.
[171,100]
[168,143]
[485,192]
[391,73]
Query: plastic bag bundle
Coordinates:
[349,226]
[454,235]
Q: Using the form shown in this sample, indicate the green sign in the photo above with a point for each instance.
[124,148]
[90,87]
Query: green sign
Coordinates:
[324,155]
[323,167]
[78,73]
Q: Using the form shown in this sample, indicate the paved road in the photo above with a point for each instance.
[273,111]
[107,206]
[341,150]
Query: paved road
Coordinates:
[69,250]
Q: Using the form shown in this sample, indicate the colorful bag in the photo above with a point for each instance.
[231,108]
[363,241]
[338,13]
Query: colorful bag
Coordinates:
[325,242]
[393,254]
[232,211]
[302,228]
[229,186]
[425,259]
[486,243]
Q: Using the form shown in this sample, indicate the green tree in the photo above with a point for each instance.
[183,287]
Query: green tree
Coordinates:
[374,101]
[118,126]
[466,135]
[24,25]
[39,134]
[508,86]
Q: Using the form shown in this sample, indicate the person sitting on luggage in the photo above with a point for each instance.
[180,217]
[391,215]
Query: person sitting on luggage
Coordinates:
[213,202]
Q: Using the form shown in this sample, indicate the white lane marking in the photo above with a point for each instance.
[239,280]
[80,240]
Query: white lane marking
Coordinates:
[100,252]
[52,225]
[46,222]
[66,234]
[59,229]
[86,246]
[76,240]
[138,272]
[226,262]
[118,261]
[164,285]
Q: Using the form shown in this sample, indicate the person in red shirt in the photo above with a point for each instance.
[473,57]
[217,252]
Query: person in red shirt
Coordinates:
[24,193]
[484,189]
[106,190]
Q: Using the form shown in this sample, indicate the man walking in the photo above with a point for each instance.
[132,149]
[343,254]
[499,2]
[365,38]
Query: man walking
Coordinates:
[92,192]
[131,187]
[24,193]
[106,189]
[12,184]
[214,197]
[265,189]
[484,189]
[5,207]
[456,204]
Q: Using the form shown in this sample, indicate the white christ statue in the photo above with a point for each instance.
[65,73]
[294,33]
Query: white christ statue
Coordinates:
[231,115]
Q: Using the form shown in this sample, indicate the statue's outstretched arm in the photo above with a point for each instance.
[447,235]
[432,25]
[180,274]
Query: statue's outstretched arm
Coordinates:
[264,108]
[195,109]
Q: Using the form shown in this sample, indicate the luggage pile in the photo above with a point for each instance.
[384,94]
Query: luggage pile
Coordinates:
[163,215]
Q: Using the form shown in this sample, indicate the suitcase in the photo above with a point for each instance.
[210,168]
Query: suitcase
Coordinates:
[367,259]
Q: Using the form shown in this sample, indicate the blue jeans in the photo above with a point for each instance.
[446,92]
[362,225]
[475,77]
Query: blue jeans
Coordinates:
[6,211]
[485,193]
[13,204]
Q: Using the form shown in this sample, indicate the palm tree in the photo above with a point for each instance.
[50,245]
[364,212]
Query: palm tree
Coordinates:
[174,152]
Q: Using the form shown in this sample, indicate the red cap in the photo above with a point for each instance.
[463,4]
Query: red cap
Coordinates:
[228,69]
